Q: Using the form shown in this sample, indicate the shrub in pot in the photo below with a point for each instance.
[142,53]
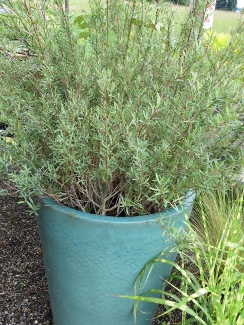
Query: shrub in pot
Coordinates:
[112,127]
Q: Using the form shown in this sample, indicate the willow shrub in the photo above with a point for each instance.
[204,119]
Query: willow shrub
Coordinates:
[210,289]
[122,115]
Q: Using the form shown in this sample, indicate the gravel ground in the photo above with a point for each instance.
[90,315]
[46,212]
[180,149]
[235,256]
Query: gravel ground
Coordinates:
[23,288]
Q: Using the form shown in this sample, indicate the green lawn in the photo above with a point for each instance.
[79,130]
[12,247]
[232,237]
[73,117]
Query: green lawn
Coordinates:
[224,21]
[78,5]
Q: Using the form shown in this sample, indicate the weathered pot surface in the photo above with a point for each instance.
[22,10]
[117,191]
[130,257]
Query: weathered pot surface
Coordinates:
[91,259]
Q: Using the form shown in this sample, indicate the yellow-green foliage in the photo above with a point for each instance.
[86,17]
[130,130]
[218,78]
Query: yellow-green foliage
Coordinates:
[219,40]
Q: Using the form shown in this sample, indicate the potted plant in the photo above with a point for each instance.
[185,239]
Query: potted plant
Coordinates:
[116,118]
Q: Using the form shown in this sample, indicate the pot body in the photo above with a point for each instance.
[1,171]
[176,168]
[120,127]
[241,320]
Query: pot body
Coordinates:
[90,260]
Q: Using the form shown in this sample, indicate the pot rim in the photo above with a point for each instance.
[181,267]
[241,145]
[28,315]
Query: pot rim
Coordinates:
[59,208]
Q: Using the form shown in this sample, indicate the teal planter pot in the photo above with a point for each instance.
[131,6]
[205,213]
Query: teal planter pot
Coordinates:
[90,260]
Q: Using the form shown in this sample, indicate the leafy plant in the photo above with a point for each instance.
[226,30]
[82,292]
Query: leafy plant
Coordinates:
[220,40]
[125,121]
[211,289]
[211,217]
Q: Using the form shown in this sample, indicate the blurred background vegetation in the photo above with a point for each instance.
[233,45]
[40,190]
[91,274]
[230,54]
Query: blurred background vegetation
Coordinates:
[225,19]
[226,16]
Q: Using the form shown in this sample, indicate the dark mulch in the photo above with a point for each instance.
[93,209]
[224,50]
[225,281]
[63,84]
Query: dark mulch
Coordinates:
[24,294]
[23,289]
